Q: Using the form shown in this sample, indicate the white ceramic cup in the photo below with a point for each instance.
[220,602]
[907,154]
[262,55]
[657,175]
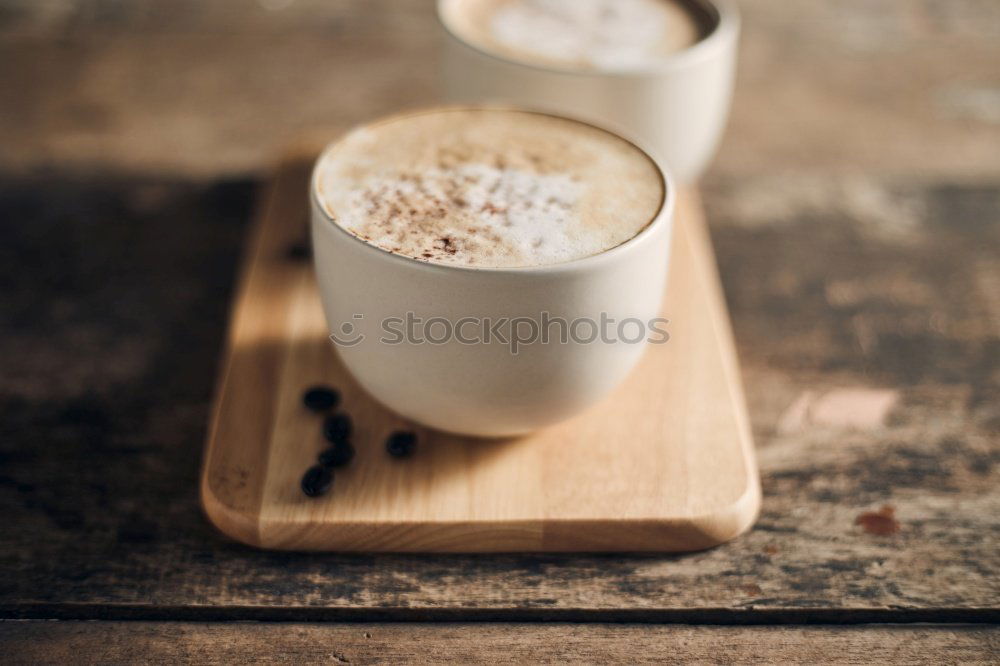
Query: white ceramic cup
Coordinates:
[483,388]
[677,107]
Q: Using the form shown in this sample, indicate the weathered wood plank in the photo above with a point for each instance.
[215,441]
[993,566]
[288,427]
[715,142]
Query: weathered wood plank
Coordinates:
[106,397]
[116,295]
[228,643]
[821,86]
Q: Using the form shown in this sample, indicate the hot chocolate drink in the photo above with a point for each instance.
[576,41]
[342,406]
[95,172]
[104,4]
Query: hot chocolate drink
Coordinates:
[486,187]
[606,35]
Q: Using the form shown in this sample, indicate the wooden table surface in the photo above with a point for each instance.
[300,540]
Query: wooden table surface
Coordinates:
[855,211]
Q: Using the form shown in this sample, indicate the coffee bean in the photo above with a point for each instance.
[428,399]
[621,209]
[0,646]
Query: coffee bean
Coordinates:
[317,480]
[337,428]
[299,251]
[401,444]
[320,398]
[337,455]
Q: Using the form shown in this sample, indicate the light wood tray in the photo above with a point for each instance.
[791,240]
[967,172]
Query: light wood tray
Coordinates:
[666,463]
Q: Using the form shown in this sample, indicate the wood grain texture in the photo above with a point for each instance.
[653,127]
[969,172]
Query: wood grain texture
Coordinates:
[856,236]
[665,464]
[227,643]
[101,459]
[92,77]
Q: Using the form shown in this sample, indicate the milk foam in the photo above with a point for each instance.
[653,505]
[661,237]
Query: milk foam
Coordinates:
[488,188]
[600,34]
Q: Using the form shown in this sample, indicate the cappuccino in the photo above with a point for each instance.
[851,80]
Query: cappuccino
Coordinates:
[486,187]
[603,35]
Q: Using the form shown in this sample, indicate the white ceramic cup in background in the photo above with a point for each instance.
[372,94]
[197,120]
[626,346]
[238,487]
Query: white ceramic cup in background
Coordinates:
[484,389]
[678,107]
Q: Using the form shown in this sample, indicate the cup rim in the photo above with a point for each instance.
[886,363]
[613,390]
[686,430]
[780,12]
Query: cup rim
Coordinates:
[662,216]
[721,34]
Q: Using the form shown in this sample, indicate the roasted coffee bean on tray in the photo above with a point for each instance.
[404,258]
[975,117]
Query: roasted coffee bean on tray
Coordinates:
[337,455]
[317,480]
[337,427]
[320,398]
[401,444]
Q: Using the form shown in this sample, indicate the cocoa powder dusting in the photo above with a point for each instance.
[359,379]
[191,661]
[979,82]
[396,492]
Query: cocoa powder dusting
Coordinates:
[487,187]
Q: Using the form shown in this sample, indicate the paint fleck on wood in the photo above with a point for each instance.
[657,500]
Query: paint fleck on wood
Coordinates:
[855,408]
[880,523]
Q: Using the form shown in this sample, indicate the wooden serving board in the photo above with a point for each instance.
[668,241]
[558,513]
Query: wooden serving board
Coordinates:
[665,464]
